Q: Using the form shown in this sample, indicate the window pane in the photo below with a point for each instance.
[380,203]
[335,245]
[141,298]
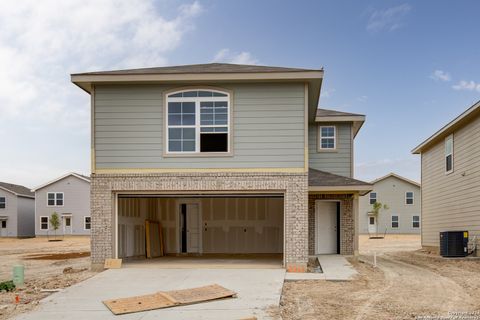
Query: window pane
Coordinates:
[327,131]
[174,133]
[220,119]
[88,219]
[2,205]
[188,133]
[175,95]
[206,105]
[174,120]
[59,202]
[188,120]
[221,129]
[218,94]
[174,107]
[188,107]
[59,195]
[188,146]
[51,196]
[51,202]
[409,194]
[207,129]
[205,93]
[190,94]
[328,143]
[448,146]
[448,163]
[174,146]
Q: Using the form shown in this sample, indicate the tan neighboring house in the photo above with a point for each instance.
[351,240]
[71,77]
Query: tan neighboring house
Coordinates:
[17,211]
[451,178]
[403,198]
[230,159]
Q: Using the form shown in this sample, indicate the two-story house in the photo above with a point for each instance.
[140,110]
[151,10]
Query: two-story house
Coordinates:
[229,158]
[451,179]
[69,197]
[403,198]
[17,213]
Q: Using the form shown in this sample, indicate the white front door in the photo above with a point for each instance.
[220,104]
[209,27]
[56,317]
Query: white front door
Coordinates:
[193,228]
[372,224]
[67,225]
[326,227]
[3,228]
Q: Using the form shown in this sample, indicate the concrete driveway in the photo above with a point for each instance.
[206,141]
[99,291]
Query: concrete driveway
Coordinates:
[257,290]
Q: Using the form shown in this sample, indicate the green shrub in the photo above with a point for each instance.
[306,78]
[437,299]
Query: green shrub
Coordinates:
[7,286]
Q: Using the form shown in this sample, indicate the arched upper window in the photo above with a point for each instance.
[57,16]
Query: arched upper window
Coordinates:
[198,121]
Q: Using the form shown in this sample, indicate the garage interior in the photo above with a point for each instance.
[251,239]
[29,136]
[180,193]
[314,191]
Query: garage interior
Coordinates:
[203,229]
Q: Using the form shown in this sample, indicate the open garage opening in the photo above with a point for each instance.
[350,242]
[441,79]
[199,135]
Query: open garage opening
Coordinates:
[230,230]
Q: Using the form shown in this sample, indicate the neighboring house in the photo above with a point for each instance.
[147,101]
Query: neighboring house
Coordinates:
[229,158]
[69,197]
[17,211]
[403,198]
[451,178]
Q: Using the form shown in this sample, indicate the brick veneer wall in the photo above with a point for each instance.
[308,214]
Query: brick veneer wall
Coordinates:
[347,222]
[294,187]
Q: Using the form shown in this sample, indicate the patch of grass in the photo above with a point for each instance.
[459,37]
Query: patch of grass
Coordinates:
[7,286]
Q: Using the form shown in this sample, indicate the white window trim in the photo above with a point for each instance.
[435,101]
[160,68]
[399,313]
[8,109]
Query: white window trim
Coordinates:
[398,222]
[197,100]
[48,223]
[370,197]
[446,155]
[413,198]
[413,221]
[55,199]
[319,139]
[5,202]
[85,223]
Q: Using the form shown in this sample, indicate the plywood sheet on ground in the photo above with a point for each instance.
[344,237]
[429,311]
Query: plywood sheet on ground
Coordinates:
[168,299]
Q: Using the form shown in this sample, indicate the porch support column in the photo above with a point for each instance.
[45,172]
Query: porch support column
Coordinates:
[356,224]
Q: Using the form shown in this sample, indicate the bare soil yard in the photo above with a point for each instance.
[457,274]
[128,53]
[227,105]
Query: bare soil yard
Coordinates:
[48,265]
[407,283]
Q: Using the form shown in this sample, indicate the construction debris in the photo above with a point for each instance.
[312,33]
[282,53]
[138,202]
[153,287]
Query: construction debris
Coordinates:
[113,263]
[166,299]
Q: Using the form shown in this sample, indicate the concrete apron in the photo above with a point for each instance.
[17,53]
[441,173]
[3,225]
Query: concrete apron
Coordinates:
[257,290]
[334,266]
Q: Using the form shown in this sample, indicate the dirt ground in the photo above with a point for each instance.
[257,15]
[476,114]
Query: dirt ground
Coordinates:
[407,283]
[48,265]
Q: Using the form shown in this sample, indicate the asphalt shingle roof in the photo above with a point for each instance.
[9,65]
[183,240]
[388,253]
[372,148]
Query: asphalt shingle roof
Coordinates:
[201,68]
[335,113]
[18,189]
[317,178]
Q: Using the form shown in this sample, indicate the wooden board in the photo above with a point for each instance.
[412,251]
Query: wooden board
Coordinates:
[200,294]
[154,239]
[166,299]
[113,263]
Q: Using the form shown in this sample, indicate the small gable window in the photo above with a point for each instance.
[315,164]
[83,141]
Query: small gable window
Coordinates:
[449,154]
[408,197]
[373,197]
[3,202]
[198,121]
[327,138]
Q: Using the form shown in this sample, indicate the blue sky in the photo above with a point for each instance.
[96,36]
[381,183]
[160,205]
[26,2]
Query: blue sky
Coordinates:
[409,66]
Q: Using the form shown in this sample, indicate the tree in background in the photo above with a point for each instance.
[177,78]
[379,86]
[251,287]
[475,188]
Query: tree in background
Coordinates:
[376,207]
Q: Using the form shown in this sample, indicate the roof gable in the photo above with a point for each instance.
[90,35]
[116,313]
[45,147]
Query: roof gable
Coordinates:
[17,190]
[327,115]
[394,175]
[79,176]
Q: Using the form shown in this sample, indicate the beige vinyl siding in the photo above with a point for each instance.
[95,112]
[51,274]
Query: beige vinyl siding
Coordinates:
[391,191]
[268,127]
[338,161]
[451,202]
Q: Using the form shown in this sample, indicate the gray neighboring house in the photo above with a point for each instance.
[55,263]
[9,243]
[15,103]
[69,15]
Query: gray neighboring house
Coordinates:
[69,196]
[403,197]
[451,179]
[17,211]
[229,158]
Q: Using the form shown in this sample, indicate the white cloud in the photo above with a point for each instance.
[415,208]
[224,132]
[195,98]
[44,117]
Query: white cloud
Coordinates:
[225,55]
[42,42]
[389,19]
[327,93]
[439,75]
[467,85]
